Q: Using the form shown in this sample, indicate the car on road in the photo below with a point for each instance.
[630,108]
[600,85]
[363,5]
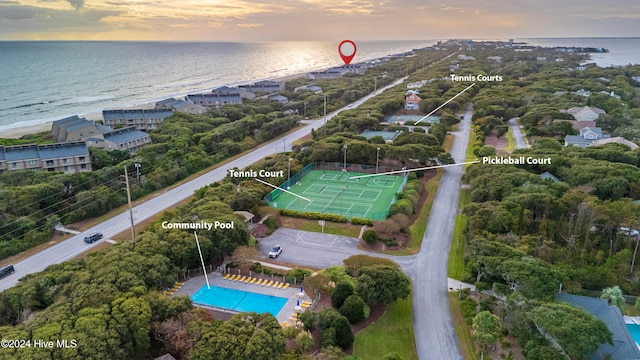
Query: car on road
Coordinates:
[275,251]
[6,271]
[91,238]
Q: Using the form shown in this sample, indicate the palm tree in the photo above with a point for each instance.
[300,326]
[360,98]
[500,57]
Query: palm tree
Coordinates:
[614,296]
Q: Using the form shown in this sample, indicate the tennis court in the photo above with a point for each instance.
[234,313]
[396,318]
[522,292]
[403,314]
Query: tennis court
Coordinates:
[334,192]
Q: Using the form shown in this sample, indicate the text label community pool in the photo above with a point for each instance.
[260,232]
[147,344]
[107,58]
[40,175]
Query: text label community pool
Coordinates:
[201,225]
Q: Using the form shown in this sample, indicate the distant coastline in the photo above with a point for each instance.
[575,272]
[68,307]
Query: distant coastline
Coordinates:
[47,95]
[81,78]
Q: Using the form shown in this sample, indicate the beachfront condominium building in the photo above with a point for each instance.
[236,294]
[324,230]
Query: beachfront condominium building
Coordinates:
[69,157]
[225,90]
[180,105]
[264,86]
[129,139]
[215,100]
[142,119]
[75,128]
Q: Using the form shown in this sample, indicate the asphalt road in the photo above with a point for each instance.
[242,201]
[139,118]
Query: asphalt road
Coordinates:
[75,245]
[517,134]
[433,325]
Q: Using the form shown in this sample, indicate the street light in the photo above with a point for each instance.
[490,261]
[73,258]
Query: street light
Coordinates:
[289,177]
[345,156]
[377,158]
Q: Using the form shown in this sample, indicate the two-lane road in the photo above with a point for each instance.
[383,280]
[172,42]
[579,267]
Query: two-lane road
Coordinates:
[433,325]
[75,245]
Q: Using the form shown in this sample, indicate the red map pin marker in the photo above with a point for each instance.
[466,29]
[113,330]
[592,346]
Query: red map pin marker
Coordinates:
[347,50]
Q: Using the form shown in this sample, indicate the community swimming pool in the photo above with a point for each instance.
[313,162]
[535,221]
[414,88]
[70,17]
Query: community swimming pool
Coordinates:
[236,300]
[635,332]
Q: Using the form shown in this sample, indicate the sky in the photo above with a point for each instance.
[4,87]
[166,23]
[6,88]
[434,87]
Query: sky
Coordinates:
[322,20]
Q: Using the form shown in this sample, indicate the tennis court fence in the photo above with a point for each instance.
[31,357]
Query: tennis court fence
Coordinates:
[336,166]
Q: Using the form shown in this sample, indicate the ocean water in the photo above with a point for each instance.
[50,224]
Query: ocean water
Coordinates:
[48,80]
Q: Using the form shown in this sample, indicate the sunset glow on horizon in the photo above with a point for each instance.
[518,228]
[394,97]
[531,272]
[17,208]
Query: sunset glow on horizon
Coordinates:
[265,20]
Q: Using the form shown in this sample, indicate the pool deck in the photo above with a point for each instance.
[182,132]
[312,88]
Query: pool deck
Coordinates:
[632,320]
[194,284]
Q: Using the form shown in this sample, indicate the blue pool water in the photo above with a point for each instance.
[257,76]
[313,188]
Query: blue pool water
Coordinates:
[635,332]
[237,300]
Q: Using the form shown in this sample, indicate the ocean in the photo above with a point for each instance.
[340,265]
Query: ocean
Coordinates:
[48,80]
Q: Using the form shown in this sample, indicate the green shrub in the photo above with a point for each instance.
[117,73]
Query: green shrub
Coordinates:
[370,236]
[271,225]
[342,291]
[469,309]
[328,337]
[405,206]
[390,242]
[314,215]
[297,275]
[308,320]
[290,332]
[353,309]
[359,221]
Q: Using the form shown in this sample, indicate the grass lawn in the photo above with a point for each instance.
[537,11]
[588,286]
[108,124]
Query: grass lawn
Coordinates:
[465,340]
[470,156]
[393,332]
[455,266]
[342,229]
[511,141]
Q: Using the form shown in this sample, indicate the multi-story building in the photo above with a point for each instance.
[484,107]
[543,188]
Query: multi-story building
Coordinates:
[185,106]
[142,119]
[69,157]
[74,128]
[216,100]
[264,86]
[128,138]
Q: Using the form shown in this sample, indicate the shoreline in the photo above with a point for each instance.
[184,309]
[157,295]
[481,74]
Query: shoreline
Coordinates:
[45,127]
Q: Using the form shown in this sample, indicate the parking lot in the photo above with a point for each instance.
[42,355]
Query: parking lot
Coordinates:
[319,250]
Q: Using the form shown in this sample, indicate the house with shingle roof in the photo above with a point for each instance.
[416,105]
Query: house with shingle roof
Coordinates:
[624,347]
[412,102]
[586,113]
[587,136]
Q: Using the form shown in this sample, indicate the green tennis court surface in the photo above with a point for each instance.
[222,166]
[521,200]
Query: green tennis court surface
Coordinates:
[332,192]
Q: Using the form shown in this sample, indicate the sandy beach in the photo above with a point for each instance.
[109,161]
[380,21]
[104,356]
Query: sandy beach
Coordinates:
[16,133]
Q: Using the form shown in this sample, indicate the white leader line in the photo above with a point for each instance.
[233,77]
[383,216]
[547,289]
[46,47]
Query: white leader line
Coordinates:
[445,103]
[417,169]
[279,188]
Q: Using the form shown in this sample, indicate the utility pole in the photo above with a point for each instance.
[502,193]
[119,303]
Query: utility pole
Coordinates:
[126,179]
[325,108]
[284,146]
[289,172]
[377,158]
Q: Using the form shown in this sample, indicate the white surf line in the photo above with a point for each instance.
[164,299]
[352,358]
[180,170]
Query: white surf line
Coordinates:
[417,169]
[445,103]
[279,188]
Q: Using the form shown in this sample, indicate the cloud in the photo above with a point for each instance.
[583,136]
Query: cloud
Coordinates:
[77,4]
[249,25]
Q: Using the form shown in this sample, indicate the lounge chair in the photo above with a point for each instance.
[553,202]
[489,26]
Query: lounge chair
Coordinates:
[227,276]
[280,285]
[260,282]
[247,279]
[253,280]
[286,286]
[242,278]
[270,282]
[275,284]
